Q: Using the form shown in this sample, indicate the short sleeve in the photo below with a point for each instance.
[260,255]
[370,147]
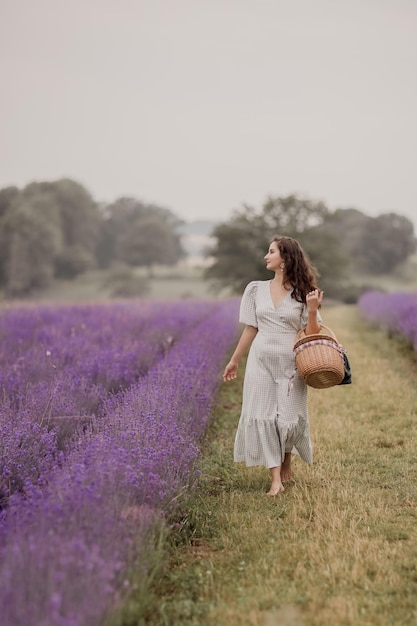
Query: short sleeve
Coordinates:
[247,313]
[304,317]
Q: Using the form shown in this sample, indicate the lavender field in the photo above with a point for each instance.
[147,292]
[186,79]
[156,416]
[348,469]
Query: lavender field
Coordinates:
[396,313]
[101,416]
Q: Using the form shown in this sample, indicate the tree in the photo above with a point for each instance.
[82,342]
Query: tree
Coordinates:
[47,229]
[150,241]
[117,218]
[238,251]
[291,214]
[242,242]
[348,225]
[33,240]
[139,235]
[8,198]
[79,219]
[388,240]
[375,245]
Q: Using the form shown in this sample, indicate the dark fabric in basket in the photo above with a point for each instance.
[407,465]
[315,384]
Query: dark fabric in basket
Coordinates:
[347,379]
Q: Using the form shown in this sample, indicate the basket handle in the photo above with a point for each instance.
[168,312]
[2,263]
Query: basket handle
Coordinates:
[328,331]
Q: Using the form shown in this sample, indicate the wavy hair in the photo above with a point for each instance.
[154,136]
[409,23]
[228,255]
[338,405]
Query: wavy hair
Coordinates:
[299,272]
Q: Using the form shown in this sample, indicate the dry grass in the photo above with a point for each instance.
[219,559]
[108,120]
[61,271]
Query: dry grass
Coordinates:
[339,547]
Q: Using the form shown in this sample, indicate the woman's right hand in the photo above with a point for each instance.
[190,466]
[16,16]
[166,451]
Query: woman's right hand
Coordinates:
[230,371]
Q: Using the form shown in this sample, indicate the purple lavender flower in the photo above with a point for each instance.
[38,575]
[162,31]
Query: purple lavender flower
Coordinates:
[76,526]
[394,312]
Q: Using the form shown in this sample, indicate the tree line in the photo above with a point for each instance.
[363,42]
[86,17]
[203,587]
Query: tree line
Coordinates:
[341,243]
[53,230]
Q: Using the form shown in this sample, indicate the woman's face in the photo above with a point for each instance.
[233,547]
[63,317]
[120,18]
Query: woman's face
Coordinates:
[273,257]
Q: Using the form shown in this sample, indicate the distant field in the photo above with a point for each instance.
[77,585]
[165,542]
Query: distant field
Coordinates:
[167,284]
[186,281]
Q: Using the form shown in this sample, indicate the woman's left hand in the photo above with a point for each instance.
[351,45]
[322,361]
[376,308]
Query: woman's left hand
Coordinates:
[314,299]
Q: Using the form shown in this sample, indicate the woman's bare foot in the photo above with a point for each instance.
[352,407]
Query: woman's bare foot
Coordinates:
[276,489]
[286,468]
[276,486]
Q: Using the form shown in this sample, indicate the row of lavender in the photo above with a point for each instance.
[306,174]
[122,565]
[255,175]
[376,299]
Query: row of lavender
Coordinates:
[395,312]
[59,364]
[68,543]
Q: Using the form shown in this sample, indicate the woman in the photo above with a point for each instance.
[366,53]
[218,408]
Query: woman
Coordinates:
[274,419]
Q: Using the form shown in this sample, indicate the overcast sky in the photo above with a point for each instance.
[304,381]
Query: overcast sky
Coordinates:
[203,105]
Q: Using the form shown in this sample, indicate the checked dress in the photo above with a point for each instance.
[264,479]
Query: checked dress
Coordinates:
[274,417]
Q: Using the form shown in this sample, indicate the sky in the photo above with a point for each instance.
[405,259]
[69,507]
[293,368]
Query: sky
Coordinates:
[202,106]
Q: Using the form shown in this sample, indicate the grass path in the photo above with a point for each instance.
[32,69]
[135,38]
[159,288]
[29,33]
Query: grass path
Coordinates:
[339,547]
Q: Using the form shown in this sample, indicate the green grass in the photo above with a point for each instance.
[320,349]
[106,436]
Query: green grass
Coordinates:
[339,547]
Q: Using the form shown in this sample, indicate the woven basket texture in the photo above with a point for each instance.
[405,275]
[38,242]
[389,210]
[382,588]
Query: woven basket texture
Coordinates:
[320,364]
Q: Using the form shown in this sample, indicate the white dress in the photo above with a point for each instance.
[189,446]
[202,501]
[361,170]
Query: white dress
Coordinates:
[274,418]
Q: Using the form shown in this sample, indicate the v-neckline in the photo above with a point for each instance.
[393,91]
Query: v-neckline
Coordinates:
[271,298]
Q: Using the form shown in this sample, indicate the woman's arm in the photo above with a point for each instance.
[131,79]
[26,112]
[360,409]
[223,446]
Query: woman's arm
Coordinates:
[244,343]
[314,299]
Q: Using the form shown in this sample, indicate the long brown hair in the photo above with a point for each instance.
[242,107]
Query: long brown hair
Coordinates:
[299,272]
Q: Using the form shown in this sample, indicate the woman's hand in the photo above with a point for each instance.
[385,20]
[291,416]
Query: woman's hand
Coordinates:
[314,299]
[246,338]
[230,371]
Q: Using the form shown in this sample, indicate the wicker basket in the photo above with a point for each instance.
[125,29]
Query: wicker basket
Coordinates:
[319,358]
